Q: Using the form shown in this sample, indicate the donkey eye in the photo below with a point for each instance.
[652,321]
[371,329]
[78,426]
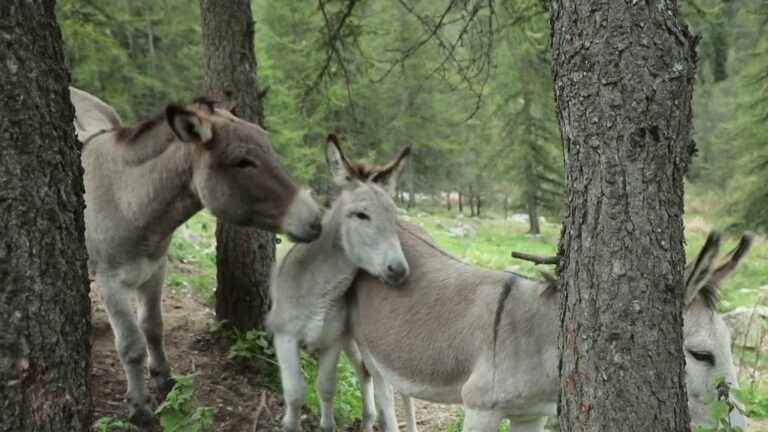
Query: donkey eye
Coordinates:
[703,356]
[361,216]
[245,163]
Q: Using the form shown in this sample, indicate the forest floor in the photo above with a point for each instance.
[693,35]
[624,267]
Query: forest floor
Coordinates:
[192,348]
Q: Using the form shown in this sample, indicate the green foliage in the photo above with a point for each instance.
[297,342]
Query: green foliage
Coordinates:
[253,344]
[256,348]
[252,349]
[137,55]
[108,424]
[181,410]
[720,420]
[347,404]
[731,110]
[459,423]
[755,401]
[193,253]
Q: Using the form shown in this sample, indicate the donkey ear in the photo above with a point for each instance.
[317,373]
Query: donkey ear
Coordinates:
[337,162]
[729,266]
[187,125]
[697,273]
[387,177]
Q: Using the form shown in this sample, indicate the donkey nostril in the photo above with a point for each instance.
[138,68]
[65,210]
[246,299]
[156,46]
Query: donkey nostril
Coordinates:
[397,270]
[316,225]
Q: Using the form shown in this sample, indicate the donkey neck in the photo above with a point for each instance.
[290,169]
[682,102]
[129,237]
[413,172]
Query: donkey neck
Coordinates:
[161,196]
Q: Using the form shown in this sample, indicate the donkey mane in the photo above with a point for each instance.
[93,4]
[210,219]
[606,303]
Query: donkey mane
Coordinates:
[131,134]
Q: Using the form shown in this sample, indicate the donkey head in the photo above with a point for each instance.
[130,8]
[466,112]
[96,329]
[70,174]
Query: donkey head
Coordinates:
[368,216]
[707,340]
[236,174]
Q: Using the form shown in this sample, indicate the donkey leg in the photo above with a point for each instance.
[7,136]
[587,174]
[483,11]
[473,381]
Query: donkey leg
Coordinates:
[131,348]
[288,356]
[151,324]
[481,420]
[326,386]
[410,414]
[385,402]
[366,384]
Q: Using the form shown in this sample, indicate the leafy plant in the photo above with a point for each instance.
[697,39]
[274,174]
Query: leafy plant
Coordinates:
[720,409]
[254,348]
[755,402]
[457,425]
[181,411]
[253,344]
[347,403]
[108,424]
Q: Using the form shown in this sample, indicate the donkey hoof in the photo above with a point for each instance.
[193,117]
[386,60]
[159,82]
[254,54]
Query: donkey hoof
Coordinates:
[141,416]
[164,386]
[289,427]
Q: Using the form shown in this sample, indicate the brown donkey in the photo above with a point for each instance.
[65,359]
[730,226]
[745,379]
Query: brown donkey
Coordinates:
[142,182]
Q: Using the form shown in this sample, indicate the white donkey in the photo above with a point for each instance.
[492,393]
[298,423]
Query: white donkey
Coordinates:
[457,333]
[142,182]
[309,285]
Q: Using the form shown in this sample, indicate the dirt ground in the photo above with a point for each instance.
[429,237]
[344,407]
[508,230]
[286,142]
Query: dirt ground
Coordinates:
[242,405]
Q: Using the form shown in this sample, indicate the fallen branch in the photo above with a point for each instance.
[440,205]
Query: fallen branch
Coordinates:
[550,260]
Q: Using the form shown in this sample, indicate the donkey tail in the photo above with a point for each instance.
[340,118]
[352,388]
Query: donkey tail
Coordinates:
[92,115]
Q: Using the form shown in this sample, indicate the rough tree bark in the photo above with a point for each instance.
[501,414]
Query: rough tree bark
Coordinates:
[243,256]
[623,80]
[44,305]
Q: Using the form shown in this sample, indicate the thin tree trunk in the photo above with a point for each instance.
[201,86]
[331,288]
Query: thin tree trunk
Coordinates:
[244,256]
[411,184]
[478,204]
[506,206]
[45,310]
[448,201]
[533,215]
[623,80]
[719,40]
[471,202]
[461,203]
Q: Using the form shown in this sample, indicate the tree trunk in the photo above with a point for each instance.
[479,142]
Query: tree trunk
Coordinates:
[506,206]
[461,203]
[471,202]
[719,40]
[448,201]
[478,204]
[623,80]
[45,310]
[533,215]
[244,256]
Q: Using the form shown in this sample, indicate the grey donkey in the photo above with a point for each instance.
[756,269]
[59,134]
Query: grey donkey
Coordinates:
[458,333]
[142,182]
[309,285]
